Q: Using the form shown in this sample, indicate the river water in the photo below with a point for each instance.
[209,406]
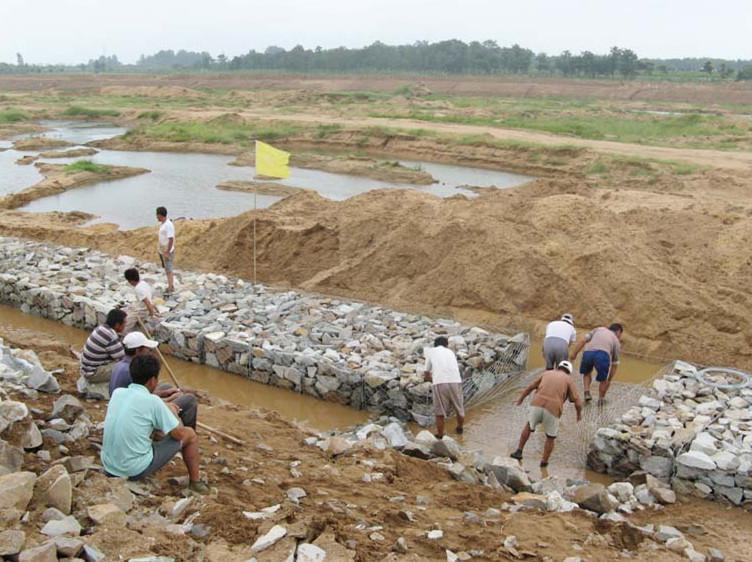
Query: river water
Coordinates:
[185,183]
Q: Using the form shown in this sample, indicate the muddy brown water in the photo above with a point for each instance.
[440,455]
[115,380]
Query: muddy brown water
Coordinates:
[492,426]
[292,406]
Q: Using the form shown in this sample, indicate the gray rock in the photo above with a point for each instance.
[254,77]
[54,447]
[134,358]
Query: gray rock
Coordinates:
[54,489]
[41,380]
[68,546]
[107,514]
[67,526]
[11,458]
[715,555]
[11,542]
[67,407]
[417,450]
[16,491]
[395,435]
[44,553]
[666,532]
[267,540]
[308,552]
[92,554]
[508,472]
[696,459]
[594,497]
[296,494]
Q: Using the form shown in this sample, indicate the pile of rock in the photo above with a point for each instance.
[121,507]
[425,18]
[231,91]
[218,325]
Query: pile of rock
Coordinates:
[691,431]
[368,357]
[612,504]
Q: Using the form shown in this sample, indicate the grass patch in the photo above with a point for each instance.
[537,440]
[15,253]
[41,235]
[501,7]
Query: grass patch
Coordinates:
[153,115]
[86,166]
[691,129]
[78,111]
[11,115]
[218,131]
[323,131]
[598,168]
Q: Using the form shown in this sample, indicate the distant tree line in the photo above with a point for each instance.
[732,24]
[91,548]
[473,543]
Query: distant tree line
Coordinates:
[445,57]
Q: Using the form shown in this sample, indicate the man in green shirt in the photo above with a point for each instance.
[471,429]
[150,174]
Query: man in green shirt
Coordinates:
[133,414]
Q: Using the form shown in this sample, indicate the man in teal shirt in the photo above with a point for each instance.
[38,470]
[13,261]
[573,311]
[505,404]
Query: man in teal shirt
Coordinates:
[132,415]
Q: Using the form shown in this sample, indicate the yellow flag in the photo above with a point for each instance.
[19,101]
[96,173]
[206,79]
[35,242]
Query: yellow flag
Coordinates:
[271,162]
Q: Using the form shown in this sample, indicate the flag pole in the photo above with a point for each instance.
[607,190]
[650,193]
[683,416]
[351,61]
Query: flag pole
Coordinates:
[254,236]
[254,222]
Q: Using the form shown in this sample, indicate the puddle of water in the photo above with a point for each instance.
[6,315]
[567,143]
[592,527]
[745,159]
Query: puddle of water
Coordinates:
[316,413]
[185,183]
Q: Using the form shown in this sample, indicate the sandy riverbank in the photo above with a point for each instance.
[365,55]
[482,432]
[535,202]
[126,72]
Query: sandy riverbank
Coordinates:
[59,179]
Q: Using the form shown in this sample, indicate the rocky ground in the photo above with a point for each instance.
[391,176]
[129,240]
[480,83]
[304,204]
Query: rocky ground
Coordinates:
[288,489]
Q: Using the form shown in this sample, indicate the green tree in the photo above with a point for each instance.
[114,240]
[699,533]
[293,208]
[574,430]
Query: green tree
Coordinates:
[708,67]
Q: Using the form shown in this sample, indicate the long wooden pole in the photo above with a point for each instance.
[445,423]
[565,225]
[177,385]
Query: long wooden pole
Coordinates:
[177,384]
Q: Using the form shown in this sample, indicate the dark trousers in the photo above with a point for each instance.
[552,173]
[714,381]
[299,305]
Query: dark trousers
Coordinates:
[188,407]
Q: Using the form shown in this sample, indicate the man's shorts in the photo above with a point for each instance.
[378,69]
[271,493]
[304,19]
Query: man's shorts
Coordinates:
[162,451]
[447,396]
[540,415]
[598,359]
[555,350]
[168,263]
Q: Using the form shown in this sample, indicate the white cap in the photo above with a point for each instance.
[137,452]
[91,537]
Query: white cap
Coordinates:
[134,340]
[567,366]
[568,318]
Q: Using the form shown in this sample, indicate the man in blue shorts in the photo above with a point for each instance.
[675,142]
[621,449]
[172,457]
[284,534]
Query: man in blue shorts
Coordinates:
[602,349]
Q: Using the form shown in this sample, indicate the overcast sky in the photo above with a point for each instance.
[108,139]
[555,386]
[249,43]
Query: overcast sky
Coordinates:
[72,31]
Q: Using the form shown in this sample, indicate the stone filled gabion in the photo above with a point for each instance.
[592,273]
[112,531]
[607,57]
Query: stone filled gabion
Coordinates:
[365,356]
[688,431]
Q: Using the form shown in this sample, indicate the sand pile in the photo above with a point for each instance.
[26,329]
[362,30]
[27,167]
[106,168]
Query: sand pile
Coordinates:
[668,259]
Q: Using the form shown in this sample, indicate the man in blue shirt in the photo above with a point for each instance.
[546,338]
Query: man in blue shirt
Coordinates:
[136,344]
[133,414]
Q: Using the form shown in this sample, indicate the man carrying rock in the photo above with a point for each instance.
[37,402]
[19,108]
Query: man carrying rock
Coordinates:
[137,344]
[442,369]
[602,350]
[166,246]
[133,414]
[143,309]
[560,334]
[552,389]
[101,352]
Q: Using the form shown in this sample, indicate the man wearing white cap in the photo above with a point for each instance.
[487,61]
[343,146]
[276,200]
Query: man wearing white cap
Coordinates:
[552,389]
[560,334]
[136,343]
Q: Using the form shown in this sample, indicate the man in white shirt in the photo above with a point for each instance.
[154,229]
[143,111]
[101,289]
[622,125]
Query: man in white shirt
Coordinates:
[560,334]
[166,245]
[143,309]
[442,370]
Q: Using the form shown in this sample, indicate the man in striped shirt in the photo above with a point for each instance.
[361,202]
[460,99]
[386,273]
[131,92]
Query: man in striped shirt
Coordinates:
[103,349]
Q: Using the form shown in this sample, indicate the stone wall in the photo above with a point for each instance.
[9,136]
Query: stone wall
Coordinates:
[362,355]
[692,430]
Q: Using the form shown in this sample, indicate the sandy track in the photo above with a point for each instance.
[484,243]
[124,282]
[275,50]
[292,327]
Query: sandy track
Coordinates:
[704,157]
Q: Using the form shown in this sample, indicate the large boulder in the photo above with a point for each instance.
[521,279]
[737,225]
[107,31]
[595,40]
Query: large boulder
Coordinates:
[54,489]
